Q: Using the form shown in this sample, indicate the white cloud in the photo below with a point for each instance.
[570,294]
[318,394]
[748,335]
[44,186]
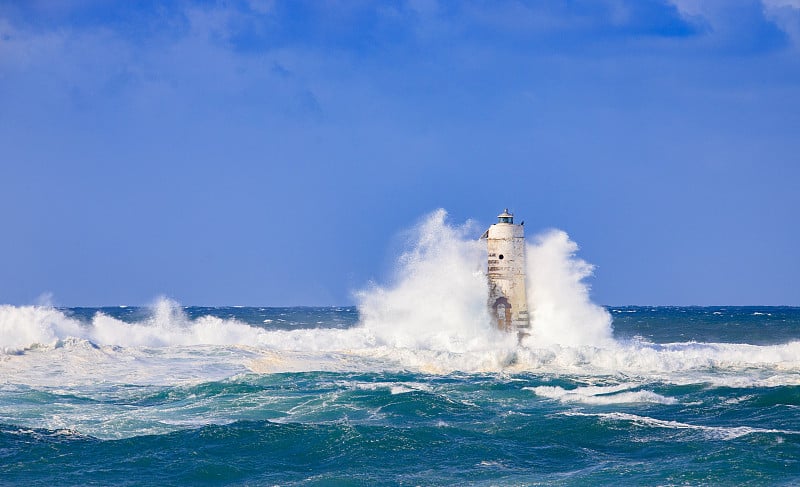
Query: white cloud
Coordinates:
[194,68]
[261,6]
[781,3]
[691,8]
[786,15]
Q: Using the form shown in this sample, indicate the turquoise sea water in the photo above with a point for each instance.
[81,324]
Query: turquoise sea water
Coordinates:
[252,396]
[261,396]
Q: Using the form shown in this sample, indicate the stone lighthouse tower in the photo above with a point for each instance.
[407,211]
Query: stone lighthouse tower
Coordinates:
[508,303]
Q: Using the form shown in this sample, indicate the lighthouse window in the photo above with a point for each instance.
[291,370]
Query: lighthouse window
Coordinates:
[500,256]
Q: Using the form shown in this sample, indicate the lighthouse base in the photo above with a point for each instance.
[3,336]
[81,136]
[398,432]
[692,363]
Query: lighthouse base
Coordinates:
[505,318]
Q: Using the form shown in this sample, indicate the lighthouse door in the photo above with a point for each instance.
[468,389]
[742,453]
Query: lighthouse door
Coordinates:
[502,313]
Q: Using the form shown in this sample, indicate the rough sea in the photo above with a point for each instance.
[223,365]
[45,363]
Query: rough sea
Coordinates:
[410,387]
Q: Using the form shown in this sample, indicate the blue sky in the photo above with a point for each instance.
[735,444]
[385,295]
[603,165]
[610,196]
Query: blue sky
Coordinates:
[271,153]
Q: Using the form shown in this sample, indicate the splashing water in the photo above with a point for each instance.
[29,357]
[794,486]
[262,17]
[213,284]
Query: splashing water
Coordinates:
[562,312]
[431,317]
[436,302]
[416,376]
[441,292]
[438,299]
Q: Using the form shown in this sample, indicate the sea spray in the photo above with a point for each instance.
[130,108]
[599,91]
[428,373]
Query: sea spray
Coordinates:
[25,326]
[431,317]
[436,301]
[168,325]
[439,294]
[420,387]
[558,295]
[22,327]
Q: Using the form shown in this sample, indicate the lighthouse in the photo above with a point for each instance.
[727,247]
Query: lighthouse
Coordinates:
[508,303]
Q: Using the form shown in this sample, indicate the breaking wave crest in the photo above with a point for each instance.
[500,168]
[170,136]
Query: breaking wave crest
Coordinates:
[26,326]
[431,317]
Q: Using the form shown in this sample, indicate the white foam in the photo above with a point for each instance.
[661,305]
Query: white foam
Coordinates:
[24,326]
[170,345]
[723,364]
[27,326]
[599,395]
[394,388]
[431,318]
[718,432]
[436,305]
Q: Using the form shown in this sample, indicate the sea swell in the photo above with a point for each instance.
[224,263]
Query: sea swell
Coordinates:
[412,386]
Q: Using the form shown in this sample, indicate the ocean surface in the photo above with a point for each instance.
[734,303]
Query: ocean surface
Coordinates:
[413,386]
[174,395]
